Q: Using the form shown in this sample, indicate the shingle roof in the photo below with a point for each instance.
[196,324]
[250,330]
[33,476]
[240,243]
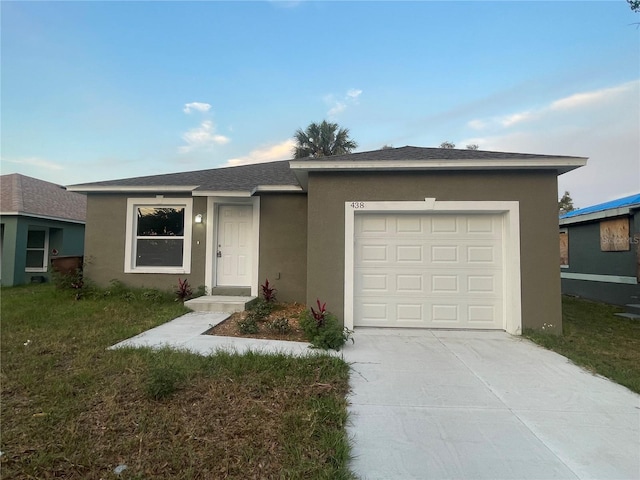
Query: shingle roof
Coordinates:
[242,177]
[630,201]
[425,153]
[248,177]
[24,195]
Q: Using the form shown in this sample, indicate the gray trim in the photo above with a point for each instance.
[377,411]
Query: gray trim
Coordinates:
[593,277]
[43,217]
[613,212]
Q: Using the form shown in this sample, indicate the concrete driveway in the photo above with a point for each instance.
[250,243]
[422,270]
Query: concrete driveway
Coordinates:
[484,405]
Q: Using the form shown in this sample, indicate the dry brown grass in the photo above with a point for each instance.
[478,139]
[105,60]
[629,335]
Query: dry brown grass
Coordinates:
[72,409]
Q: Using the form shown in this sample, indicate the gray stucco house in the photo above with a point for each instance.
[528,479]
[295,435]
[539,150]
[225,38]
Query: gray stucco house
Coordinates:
[600,251]
[402,237]
[39,221]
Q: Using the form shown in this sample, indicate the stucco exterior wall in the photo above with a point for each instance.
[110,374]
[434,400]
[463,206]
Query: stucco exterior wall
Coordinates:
[105,238]
[535,190]
[283,244]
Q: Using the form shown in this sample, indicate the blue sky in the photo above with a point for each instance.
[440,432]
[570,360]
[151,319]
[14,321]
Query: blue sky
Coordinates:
[101,90]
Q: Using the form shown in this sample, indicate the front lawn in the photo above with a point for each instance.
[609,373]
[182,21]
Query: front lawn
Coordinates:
[598,340]
[72,409]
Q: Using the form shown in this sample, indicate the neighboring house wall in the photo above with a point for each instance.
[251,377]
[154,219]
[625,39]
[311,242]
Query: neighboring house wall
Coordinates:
[587,258]
[283,244]
[64,237]
[536,192]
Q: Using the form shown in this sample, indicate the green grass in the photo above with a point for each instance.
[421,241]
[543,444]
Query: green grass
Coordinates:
[73,409]
[598,340]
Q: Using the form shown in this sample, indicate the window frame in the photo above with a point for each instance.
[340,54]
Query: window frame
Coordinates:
[45,249]
[131,236]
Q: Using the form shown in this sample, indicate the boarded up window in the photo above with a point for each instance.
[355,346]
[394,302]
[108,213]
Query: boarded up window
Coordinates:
[564,249]
[614,235]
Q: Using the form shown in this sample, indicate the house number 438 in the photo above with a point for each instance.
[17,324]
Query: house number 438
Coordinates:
[357,204]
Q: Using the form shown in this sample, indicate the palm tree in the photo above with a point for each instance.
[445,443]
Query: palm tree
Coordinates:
[322,140]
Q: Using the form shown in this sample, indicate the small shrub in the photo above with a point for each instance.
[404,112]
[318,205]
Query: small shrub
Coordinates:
[279,325]
[323,330]
[320,315]
[152,295]
[261,309]
[184,290]
[164,380]
[268,292]
[201,291]
[248,325]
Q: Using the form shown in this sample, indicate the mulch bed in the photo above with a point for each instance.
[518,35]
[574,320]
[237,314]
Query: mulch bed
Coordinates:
[290,311]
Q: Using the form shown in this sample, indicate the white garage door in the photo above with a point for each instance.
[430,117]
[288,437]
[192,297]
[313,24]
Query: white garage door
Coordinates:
[428,271]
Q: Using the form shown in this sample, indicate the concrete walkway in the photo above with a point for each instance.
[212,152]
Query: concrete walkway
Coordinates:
[185,333]
[484,405]
[429,404]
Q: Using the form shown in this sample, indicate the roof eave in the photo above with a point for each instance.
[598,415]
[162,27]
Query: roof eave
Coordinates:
[130,188]
[560,164]
[43,217]
[599,215]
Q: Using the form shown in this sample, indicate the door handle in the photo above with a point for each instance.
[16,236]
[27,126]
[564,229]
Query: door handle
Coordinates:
[219,254]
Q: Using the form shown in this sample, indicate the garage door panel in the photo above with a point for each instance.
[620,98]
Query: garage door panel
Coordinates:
[445,284]
[410,224]
[482,254]
[409,312]
[428,271]
[410,283]
[374,284]
[444,224]
[444,254]
[373,253]
[409,253]
[373,224]
[374,312]
[480,224]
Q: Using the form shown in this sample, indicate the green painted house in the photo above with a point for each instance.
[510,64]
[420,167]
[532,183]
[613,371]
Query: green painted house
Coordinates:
[39,221]
[600,251]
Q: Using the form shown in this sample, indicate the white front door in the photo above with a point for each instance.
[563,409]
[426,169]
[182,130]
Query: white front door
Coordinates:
[234,246]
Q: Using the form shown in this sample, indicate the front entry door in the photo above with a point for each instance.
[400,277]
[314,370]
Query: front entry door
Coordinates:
[234,245]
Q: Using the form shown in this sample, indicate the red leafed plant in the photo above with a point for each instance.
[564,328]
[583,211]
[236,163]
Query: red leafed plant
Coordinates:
[184,290]
[320,314]
[268,292]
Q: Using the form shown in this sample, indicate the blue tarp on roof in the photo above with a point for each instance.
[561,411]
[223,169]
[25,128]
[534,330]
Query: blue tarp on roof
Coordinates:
[620,202]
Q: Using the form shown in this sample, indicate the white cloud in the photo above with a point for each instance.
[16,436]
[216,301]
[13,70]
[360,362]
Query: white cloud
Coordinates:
[601,124]
[603,97]
[339,105]
[35,162]
[202,137]
[515,118]
[196,106]
[589,98]
[267,153]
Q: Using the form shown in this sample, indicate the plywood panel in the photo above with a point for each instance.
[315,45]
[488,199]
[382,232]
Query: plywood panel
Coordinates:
[614,235]
[564,248]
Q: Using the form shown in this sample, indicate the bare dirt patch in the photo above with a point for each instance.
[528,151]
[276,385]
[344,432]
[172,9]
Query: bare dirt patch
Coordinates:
[289,311]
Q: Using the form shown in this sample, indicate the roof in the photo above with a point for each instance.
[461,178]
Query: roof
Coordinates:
[22,195]
[426,153]
[619,206]
[242,178]
[292,174]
